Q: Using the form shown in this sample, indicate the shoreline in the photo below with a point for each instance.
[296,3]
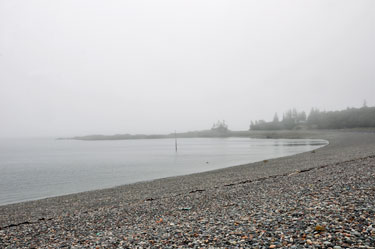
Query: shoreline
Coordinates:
[127,181]
[147,198]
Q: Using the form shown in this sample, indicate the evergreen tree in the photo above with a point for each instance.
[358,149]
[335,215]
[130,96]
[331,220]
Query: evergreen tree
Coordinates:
[276,118]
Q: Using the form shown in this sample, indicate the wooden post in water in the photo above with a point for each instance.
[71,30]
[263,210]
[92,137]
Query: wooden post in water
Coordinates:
[175,140]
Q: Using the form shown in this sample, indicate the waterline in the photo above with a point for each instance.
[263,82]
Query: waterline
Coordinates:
[39,168]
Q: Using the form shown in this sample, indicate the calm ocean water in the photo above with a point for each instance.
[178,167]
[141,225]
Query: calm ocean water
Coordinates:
[37,168]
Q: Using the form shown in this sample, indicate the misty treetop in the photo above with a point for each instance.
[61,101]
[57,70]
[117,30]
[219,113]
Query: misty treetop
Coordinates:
[220,127]
[292,119]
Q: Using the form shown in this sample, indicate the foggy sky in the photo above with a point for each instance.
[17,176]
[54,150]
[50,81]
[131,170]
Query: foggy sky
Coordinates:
[104,67]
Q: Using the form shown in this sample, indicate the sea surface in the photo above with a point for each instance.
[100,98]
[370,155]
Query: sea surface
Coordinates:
[38,168]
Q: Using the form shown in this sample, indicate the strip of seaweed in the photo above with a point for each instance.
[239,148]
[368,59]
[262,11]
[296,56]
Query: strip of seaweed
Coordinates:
[25,223]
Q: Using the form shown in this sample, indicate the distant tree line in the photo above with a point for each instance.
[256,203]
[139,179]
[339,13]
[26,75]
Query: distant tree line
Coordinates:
[292,119]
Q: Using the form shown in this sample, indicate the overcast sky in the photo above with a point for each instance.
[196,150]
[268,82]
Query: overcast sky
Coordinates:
[86,67]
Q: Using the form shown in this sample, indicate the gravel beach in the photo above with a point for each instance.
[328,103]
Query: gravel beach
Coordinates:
[319,199]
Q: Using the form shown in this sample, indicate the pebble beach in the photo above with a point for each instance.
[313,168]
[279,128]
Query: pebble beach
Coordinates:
[318,199]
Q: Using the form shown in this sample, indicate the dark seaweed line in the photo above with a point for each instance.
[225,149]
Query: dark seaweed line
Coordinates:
[25,223]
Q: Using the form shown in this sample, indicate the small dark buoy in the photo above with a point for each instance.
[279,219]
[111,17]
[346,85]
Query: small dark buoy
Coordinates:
[313,151]
[265,161]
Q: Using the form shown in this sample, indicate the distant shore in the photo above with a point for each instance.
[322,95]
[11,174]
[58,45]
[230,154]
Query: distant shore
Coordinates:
[247,205]
[307,133]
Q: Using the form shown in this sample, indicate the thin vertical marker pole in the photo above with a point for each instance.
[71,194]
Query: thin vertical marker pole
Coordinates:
[175,140]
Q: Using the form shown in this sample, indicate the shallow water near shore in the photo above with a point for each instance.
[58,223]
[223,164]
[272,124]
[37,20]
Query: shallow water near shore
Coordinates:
[38,168]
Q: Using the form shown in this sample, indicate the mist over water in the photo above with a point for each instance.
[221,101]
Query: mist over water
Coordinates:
[38,168]
[76,67]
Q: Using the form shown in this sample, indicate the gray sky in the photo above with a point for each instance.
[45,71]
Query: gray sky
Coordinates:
[81,67]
